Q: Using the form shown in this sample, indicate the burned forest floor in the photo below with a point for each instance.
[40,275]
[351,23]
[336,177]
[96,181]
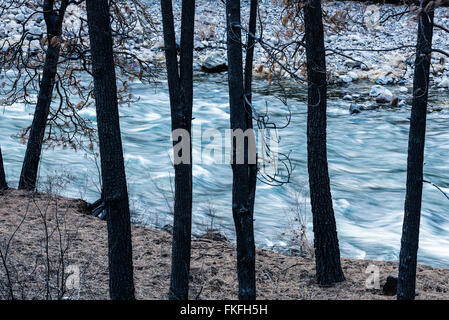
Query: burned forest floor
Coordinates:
[49,240]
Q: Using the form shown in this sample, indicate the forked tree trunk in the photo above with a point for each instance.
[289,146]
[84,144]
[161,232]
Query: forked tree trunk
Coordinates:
[327,252]
[417,134]
[244,174]
[3,184]
[53,19]
[121,283]
[180,85]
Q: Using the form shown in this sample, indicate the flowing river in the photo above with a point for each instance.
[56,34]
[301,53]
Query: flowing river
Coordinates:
[367,161]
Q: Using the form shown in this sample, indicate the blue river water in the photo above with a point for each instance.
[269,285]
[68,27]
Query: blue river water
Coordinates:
[367,161]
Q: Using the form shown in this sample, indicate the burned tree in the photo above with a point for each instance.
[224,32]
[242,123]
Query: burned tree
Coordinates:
[180,83]
[53,20]
[243,159]
[327,252]
[3,184]
[415,161]
[115,194]
[25,56]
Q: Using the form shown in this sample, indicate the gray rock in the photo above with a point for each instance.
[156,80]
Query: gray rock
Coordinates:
[214,62]
[376,90]
[345,78]
[354,108]
[353,64]
[403,90]
[20,17]
[159,45]
[384,80]
[384,98]
[382,95]
[353,75]
[444,83]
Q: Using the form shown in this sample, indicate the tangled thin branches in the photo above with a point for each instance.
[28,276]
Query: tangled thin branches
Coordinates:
[22,57]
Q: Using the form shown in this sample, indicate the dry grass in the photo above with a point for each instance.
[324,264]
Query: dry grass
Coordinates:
[213,274]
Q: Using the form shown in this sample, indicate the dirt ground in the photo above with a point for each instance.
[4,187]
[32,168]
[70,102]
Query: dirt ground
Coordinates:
[33,261]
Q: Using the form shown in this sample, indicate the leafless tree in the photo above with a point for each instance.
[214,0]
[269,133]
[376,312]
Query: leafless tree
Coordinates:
[65,46]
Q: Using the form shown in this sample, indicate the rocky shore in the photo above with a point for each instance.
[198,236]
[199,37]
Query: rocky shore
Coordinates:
[348,65]
[345,62]
[352,54]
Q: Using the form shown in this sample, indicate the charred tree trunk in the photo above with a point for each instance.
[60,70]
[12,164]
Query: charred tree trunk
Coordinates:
[327,252]
[121,283]
[244,174]
[249,59]
[3,184]
[417,133]
[180,85]
[53,19]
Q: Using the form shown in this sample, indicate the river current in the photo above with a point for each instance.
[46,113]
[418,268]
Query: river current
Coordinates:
[367,155]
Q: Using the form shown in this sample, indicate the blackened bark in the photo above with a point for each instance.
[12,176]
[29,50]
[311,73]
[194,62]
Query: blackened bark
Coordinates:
[327,252]
[3,184]
[249,58]
[121,283]
[243,187]
[417,133]
[53,19]
[180,85]
[248,77]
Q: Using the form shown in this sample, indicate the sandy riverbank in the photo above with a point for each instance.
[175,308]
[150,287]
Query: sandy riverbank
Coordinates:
[213,276]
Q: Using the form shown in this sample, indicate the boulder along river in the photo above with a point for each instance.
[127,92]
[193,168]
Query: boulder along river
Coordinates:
[367,155]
